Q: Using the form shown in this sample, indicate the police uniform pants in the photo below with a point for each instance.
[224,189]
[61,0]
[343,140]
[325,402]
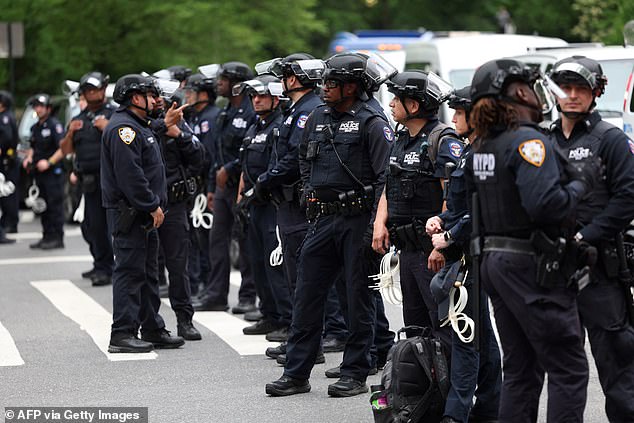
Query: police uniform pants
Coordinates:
[603,313]
[540,332]
[271,287]
[219,261]
[332,243]
[334,323]
[174,237]
[95,230]
[419,307]
[51,185]
[135,298]
[470,368]
[293,226]
[9,205]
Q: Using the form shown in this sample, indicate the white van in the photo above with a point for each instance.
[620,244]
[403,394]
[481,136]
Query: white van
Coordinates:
[617,63]
[455,59]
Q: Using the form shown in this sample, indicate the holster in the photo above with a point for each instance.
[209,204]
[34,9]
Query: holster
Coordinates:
[550,256]
[89,182]
[127,216]
[411,237]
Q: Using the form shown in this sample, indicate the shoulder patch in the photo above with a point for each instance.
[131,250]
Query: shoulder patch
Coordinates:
[59,128]
[5,119]
[301,121]
[631,144]
[388,134]
[127,134]
[204,126]
[455,148]
[533,151]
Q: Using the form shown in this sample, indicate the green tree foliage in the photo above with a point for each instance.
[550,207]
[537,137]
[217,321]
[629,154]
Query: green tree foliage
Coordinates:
[602,20]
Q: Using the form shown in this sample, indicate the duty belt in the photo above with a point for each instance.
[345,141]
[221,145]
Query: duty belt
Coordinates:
[508,245]
[353,204]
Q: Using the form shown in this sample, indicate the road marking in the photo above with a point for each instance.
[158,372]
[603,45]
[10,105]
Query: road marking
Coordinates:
[83,310]
[38,235]
[229,329]
[45,260]
[9,354]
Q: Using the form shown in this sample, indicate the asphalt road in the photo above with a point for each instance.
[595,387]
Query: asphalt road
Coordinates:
[57,325]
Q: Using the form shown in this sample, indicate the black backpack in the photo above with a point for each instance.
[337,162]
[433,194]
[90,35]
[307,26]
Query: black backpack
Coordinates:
[414,383]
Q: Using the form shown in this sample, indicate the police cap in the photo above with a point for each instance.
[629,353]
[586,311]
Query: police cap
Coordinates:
[93,80]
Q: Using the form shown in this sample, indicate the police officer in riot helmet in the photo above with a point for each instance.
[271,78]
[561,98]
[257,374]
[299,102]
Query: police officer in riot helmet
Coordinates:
[282,178]
[527,260]
[202,112]
[9,167]
[222,189]
[601,219]
[473,372]
[84,139]
[134,194]
[413,191]
[44,158]
[258,213]
[183,155]
[347,148]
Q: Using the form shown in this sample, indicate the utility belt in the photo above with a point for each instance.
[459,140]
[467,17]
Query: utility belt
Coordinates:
[350,203]
[558,261]
[184,189]
[287,193]
[411,237]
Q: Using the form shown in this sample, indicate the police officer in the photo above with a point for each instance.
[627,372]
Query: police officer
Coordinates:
[472,372]
[523,205]
[200,94]
[84,139]
[581,133]
[347,146]
[134,194]
[9,166]
[44,158]
[413,192]
[282,178]
[184,161]
[222,190]
[259,212]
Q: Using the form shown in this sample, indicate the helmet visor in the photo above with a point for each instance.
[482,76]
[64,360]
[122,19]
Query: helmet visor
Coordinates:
[580,70]
[251,87]
[273,67]
[311,69]
[162,74]
[167,87]
[209,71]
[438,88]
[378,69]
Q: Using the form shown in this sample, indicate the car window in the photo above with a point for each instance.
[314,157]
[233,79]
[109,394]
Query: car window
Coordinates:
[617,72]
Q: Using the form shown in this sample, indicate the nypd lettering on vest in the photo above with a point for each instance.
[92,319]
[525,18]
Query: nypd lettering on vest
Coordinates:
[349,126]
[483,165]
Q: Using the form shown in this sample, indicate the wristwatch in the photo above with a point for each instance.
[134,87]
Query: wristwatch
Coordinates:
[448,237]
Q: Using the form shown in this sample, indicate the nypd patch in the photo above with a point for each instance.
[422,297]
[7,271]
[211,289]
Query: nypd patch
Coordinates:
[301,121]
[204,126]
[631,144]
[533,151]
[127,134]
[455,149]
[388,134]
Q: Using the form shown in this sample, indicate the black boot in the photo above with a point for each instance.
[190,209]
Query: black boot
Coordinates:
[285,386]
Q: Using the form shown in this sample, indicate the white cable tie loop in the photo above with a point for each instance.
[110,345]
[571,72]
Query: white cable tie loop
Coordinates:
[33,200]
[277,258]
[388,280]
[6,187]
[460,322]
[78,216]
[198,214]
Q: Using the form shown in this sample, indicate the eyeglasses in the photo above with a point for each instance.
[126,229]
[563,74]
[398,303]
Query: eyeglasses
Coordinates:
[332,83]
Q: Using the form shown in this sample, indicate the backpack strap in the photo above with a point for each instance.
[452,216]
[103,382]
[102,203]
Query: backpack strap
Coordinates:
[437,134]
[423,404]
[440,367]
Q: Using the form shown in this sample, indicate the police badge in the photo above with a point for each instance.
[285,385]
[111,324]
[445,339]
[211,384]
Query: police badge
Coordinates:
[127,134]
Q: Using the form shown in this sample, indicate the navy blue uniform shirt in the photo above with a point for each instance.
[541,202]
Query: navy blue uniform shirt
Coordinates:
[131,164]
[45,138]
[8,134]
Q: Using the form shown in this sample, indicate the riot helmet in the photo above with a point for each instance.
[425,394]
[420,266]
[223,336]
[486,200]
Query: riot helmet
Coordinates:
[6,99]
[377,71]
[130,84]
[199,82]
[260,85]
[461,99]
[427,88]
[179,72]
[580,70]
[93,80]
[235,71]
[41,99]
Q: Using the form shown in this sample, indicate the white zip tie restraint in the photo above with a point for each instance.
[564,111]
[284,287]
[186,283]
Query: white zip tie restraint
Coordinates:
[37,204]
[198,214]
[389,279]
[460,322]
[277,258]
[6,187]
[78,216]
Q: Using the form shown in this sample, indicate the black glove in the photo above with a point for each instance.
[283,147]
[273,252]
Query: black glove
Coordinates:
[587,255]
[260,192]
[587,171]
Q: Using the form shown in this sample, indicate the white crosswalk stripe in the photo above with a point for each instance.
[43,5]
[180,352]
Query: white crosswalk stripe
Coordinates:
[87,313]
[9,354]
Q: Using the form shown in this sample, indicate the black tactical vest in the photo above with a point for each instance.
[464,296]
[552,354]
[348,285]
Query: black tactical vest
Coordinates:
[87,141]
[411,188]
[341,135]
[501,208]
